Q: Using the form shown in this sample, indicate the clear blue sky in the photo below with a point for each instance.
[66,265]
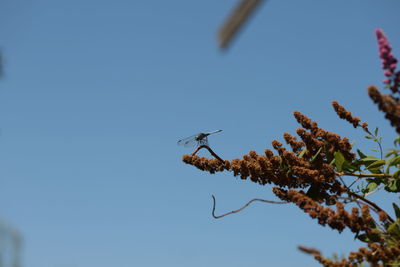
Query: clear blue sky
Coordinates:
[96,94]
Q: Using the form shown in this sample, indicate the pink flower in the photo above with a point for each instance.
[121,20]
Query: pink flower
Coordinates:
[389,62]
[388,73]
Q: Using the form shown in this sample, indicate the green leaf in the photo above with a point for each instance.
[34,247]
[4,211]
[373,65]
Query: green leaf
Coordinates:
[393,186]
[397,141]
[347,166]
[370,187]
[369,158]
[396,210]
[387,169]
[353,166]
[376,164]
[316,154]
[302,152]
[394,228]
[375,150]
[376,170]
[363,238]
[362,155]
[392,162]
[390,153]
[375,237]
[369,137]
[376,131]
[396,174]
[339,160]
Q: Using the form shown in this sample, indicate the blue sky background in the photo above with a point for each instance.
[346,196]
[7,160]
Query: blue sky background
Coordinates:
[96,94]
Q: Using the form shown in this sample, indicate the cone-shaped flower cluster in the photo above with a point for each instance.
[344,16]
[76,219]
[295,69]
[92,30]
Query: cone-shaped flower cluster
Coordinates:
[388,105]
[346,115]
[389,62]
[375,254]
[339,219]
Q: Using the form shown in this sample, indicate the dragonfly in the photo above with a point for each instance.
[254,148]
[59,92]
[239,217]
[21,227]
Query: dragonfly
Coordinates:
[200,139]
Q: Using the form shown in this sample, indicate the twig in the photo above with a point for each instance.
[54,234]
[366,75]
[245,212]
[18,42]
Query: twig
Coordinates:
[344,182]
[355,181]
[242,208]
[209,150]
[373,192]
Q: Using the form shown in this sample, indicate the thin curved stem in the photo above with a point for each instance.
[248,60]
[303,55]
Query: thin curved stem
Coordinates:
[209,150]
[380,148]
[245,206]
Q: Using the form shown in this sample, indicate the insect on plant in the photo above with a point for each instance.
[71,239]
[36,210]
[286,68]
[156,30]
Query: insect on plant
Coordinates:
[199,139]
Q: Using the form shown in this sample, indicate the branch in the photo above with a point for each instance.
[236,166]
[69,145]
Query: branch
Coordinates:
[370,203]
[365,175]
[209,150]
[245,206]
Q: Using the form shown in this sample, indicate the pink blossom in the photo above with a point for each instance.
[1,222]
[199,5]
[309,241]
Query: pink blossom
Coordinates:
[389,62]
[388,73]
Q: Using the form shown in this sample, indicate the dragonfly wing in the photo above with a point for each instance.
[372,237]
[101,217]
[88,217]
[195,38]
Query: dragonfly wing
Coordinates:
[213,132]
[188,141]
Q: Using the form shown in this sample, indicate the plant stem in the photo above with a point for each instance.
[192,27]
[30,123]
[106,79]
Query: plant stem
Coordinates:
[365,175]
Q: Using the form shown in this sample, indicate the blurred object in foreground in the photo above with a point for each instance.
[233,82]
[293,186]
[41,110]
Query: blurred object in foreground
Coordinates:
[236,20]
[1,64]
[10,246]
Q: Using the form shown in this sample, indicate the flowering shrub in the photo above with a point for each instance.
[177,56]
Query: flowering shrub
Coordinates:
[308,173]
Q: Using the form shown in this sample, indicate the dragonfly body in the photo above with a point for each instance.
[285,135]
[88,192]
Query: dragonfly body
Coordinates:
[199,139]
